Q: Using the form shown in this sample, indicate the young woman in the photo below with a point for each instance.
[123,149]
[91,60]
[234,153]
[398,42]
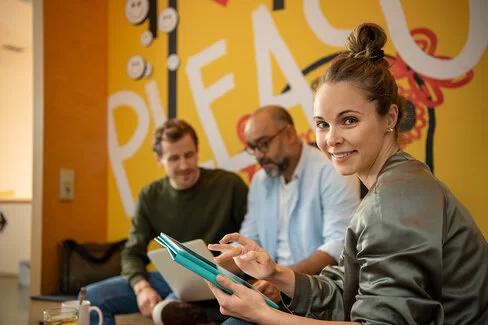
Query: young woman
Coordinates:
[412,253]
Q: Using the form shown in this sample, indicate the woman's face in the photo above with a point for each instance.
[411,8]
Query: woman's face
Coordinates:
[348,128]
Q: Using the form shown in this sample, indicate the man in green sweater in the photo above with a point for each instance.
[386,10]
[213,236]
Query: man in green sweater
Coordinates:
[189,203]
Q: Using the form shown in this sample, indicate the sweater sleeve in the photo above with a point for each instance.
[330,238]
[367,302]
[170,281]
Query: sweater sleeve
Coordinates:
[239,201]
[134,258]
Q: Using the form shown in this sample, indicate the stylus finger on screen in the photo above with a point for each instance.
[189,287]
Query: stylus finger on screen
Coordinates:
[238,238]
[227,251]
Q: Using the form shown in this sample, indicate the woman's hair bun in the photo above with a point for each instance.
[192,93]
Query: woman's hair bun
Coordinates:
[366,41]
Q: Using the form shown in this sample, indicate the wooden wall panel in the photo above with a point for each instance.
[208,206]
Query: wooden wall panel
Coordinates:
[75,126]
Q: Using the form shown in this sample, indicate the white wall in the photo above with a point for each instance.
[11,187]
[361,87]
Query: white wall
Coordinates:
[15,239]
[16,100]
[16,132]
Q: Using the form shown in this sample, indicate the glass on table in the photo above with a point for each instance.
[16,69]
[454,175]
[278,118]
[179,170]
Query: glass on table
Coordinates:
[60,316]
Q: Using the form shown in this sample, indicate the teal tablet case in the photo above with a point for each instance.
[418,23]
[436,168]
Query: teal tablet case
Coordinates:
[201,266]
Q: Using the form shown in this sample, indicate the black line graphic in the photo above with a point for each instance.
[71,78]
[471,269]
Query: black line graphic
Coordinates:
[429,141]
[278,5]
[172,75]
[314,66]
[153,18]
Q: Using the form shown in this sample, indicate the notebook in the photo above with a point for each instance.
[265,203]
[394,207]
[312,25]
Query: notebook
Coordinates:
[185,284]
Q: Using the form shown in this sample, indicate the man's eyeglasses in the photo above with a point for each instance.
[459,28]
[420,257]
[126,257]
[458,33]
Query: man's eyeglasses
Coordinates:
[262,144]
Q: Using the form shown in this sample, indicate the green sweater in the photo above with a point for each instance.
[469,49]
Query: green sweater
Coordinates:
[213,207]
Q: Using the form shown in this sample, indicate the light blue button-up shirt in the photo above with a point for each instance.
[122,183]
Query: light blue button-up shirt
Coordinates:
[320,209]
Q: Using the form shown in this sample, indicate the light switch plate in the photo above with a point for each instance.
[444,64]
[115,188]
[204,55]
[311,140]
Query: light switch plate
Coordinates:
[66,184]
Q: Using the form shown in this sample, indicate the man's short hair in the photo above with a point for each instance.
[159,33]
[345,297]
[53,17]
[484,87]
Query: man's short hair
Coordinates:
[172,130]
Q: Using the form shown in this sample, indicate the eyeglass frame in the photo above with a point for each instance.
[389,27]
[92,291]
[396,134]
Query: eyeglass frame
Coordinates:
[263,143]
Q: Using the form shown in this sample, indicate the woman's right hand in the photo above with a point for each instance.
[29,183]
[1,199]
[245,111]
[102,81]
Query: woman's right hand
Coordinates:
[249,256]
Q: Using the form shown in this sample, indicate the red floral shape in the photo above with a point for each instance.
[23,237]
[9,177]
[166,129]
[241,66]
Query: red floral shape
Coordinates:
[222,2]
[423,91]
[250,171]
[241,124]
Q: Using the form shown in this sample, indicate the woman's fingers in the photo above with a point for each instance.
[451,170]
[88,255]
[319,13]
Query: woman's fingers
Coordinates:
[270,290]
[260,257]
[229,284]
[238,238]
[229,238]
[228,252]
[264,286]
[218,293]
[247,251]
[220,247]
[226,283]
[260,285]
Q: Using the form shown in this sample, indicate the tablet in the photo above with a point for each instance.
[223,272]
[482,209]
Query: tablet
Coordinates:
[201,265]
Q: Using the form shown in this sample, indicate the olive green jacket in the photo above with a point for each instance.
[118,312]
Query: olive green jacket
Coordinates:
[412,255]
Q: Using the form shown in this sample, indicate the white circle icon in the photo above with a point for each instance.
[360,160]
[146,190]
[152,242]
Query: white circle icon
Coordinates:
[136,11]
[146,38]
[136,67]
[167,20]
[173,62]
[148,71]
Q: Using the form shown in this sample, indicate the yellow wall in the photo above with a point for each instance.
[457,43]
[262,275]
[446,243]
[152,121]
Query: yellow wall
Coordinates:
[207,26]
[75,128]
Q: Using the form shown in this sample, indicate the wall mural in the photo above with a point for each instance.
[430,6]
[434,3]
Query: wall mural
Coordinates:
[213,62]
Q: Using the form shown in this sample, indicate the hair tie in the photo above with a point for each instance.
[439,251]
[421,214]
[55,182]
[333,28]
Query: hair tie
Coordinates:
[377,55]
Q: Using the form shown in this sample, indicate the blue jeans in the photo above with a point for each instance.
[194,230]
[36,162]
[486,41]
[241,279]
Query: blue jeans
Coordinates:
[114,296]
[235,321]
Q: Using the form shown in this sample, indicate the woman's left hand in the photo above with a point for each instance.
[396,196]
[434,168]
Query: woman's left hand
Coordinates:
[244,303]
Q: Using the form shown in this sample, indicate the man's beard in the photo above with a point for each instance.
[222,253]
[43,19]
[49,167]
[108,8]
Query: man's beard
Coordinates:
[277,169]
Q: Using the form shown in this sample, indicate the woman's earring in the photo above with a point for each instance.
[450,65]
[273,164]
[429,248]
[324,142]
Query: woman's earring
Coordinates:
[390,129]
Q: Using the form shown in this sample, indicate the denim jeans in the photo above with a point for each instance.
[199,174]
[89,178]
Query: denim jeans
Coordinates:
[115,296]
[235,321]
